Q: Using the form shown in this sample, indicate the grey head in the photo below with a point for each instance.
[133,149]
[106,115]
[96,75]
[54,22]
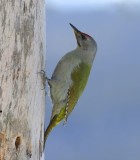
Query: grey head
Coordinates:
[84,41]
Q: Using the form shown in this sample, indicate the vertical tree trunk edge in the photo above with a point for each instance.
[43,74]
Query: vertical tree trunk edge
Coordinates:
[22,100]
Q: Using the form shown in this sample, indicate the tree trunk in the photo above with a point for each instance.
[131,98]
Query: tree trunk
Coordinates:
[22,102]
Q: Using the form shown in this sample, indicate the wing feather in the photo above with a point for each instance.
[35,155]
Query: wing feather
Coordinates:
[79,77]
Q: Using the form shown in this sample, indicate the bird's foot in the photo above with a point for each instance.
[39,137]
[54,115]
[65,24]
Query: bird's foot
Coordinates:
[44,78]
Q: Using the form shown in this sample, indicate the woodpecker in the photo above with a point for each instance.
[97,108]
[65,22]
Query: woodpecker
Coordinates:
[70,78]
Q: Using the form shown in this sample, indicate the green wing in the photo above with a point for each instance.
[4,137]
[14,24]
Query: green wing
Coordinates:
[80,77]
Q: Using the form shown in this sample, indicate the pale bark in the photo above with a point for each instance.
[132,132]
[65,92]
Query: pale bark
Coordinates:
[22,102]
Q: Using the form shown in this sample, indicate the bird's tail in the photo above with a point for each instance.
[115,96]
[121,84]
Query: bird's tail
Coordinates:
[54,121]
[51,125]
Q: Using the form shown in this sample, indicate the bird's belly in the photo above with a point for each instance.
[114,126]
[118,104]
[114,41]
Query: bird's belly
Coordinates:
[61,79]
[59,90]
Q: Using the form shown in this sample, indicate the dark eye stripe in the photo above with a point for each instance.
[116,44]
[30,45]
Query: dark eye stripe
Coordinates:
[83,37]
[78,43]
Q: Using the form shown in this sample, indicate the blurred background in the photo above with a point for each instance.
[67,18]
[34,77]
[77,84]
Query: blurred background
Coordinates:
[105,124]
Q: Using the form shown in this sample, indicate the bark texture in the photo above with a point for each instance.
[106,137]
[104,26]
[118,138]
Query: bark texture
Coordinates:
[22,102]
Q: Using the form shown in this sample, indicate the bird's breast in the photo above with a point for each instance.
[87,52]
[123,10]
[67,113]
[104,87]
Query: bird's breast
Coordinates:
[61,77]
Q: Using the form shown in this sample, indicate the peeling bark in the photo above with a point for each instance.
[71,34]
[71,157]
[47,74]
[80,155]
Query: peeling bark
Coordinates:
[22,102]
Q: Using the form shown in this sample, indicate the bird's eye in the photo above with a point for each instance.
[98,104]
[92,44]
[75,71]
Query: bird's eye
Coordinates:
[83,37]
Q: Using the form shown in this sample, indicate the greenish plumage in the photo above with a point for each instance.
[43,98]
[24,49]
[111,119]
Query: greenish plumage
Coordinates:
[79,76]
[74,92]
[70,78]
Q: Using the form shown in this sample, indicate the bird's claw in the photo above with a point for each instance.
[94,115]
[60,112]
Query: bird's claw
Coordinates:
[43,77]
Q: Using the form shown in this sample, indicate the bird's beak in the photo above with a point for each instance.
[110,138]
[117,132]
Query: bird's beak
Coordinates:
[76,31]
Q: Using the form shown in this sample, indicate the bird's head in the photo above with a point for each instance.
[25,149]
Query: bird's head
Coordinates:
[84,40]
